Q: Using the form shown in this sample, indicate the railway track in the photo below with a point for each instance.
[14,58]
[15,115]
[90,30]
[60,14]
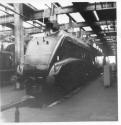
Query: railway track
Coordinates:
[52,96]
[48,98]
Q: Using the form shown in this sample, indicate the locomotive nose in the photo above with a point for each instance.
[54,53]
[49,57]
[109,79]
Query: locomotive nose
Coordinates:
[29,70]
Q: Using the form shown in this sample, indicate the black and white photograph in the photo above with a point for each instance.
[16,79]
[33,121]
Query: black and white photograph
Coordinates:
[58,61]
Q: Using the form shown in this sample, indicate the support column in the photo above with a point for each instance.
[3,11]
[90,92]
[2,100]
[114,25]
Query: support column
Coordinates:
[70,29]
[19,34]
[107,75]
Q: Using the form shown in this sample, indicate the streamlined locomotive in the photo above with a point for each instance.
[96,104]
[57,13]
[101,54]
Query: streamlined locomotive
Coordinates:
[59,58]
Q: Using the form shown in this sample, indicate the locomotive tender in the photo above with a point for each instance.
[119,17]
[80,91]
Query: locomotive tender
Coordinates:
[59,58]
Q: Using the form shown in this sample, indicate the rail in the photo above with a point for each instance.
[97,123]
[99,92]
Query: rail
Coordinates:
[16,104]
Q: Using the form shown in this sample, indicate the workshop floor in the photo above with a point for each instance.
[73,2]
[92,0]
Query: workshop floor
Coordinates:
[92,102]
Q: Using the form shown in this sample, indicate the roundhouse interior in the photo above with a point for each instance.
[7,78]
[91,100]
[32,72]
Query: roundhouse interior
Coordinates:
[61,58]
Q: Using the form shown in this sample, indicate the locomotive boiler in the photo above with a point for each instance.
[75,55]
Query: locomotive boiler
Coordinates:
[59,58]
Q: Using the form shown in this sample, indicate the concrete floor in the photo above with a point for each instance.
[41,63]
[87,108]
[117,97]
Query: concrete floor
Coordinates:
[93,102]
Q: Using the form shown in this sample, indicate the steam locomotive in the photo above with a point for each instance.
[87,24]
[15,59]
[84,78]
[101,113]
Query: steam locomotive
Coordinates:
[59,58]
[6,63]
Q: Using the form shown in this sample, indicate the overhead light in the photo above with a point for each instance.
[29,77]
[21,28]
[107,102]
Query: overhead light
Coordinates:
[77,16]
[87,28]
[95,13]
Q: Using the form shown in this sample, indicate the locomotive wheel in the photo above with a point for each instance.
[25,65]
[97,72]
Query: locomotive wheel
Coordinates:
[34,87]
[28,86]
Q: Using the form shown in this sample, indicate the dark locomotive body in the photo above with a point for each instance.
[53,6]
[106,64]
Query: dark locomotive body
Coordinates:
[57,59]
[7,68]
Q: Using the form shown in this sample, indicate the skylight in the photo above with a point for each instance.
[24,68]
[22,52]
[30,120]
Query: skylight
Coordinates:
[6,4]
[87,28]
[63,18]
[105,27]
[77,16]
[65,3]
[2,13]
[40,23]
[41,5]
[4,28]
[6,10]
[27,25]
[91,1]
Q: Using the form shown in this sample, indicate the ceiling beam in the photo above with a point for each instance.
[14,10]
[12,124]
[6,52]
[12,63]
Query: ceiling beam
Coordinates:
[26,30]
[101,6]
[6,32]
[6,19]
[110,37]
[10,19]
[33,30]
[62,10]
[73,25]
[108,22]
[70,9]
[47,12]
[111,33]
